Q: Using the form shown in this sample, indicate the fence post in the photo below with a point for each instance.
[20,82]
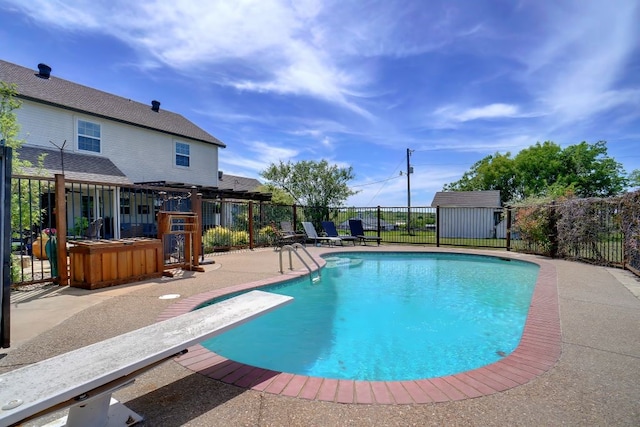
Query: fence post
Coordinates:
[508,228]
[295,216]
[438,226]
[196,207]
[61,232]
[251,234]
[6,155]
[553,237]
[378,212]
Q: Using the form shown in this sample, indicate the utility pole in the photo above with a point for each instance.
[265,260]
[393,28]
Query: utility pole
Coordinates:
[409,172]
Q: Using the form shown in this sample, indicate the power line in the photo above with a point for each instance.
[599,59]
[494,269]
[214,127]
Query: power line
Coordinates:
[384,182]
[377,182]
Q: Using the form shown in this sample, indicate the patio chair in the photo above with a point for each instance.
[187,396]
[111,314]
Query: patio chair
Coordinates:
[357,230]
[312,234]
[288,229]
[285,238]
[331,230]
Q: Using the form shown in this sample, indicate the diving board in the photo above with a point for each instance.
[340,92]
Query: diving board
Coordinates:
[84,379]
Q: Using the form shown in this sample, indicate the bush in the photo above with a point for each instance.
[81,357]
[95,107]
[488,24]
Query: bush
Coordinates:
[533,225]
[265,235]
[16,269]
[220,237]
[216,237]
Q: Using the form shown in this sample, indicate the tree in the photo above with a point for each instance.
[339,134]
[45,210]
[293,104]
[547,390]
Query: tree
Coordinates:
[590,171]
[317,185]
[545,169]
[634,178]
[278,195]
[494,172]
[9,127]
[537,168]
[25,200]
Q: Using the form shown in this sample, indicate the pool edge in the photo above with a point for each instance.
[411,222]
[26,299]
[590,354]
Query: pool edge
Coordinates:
[538,351]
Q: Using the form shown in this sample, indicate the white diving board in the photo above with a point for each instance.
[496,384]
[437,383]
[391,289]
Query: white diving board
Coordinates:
[84,379]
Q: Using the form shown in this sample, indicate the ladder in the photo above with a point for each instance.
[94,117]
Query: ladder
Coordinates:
[293,249]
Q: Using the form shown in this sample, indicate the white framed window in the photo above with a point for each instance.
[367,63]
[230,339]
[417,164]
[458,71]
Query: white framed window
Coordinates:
[183,157]
[89,136]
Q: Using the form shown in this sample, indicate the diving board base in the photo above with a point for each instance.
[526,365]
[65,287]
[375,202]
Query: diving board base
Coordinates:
[94,414]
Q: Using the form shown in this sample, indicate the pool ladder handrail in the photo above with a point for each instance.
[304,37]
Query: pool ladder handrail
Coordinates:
[293,248]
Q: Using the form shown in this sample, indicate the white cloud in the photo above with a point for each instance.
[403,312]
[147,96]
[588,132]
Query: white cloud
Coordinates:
[263,154]
[271,154]
[491,111]
[253,45]
[576,71]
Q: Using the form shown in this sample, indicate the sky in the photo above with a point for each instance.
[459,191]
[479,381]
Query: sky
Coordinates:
[358,83]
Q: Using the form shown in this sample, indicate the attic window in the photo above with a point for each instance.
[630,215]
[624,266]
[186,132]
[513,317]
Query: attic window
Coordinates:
[89,136]
[182,154]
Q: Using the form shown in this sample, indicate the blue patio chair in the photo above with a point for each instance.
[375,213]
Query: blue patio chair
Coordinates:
[357,230]
[330,228]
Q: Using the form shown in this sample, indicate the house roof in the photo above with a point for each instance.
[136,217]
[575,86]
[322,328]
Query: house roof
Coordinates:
[238,183]
[470,199]
[82,167]
[75,97]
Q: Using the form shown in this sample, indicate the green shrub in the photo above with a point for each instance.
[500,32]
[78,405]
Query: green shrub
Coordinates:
[265,235]
[220,237]
[216,237]
[239,238]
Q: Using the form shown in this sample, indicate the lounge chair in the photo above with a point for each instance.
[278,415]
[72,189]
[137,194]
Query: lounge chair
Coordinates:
[288,230]
[330,229]
[357,230]
[312,234]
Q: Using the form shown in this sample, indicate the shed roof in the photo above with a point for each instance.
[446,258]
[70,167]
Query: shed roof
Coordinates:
[75,97]
[470,199]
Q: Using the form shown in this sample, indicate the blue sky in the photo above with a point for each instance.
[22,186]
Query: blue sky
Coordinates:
[357,82]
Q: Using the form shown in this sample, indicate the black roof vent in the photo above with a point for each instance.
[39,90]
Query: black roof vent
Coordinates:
[44,71]
[219,174]
[155,106]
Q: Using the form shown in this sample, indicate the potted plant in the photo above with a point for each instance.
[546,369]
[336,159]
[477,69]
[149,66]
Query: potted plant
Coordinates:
[80,225]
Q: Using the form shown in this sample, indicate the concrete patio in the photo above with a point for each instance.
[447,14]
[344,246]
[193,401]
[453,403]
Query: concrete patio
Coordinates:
[595,382]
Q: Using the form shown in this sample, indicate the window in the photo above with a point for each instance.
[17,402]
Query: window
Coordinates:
[125,205]
[182,154]
[88,136]
[87,206]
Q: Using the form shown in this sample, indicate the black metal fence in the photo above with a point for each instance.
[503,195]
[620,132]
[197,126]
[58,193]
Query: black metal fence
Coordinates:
[601,231]
[92,211]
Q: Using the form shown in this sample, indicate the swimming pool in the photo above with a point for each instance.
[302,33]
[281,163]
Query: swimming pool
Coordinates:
[390,317]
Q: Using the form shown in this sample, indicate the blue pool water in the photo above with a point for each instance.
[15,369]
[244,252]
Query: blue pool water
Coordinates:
[390,316]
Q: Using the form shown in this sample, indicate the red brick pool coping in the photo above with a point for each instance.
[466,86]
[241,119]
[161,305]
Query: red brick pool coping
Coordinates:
[538,351]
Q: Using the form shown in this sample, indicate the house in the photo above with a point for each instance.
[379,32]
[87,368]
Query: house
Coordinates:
[97,137]
[468,214]
[145,142]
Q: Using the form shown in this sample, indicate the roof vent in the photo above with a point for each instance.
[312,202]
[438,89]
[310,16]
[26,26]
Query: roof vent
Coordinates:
[155,106]
[44,71]
[219,174]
